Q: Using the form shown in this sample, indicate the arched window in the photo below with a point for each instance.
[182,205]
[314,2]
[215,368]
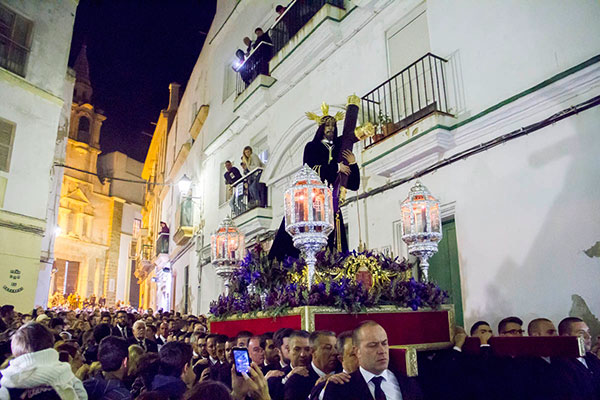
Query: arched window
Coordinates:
[83,130]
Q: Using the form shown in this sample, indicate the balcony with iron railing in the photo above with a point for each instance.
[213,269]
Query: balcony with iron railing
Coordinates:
[257,63]
[296,16]
[184,217]
[248,193]
[289,31]
[249,204]
[414,102]
[412,94]
[162,244]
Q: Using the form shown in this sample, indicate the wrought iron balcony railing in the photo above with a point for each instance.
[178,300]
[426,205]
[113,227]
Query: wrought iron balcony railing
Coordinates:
[255,64]
[297,14]
[248,193]
[162,244]
[413,93]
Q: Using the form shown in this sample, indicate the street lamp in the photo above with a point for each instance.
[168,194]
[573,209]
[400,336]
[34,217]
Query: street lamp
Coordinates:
[421,226]
[184,184]
[308,215]
[227,250]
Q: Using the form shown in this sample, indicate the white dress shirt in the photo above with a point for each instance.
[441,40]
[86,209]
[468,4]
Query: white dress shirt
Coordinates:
[317,370]
[389,385]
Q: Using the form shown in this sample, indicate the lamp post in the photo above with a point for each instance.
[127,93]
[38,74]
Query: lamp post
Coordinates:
[421,225]
[308,215]
[184,184]
[227,250]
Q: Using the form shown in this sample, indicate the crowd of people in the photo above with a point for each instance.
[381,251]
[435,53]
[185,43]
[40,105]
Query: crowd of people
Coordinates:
[252,190]
[116,354]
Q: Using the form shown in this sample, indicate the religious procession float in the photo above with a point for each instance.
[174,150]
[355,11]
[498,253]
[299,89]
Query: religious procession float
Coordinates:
[310,280]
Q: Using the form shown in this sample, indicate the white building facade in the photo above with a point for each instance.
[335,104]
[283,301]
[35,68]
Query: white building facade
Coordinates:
[35,100]
[465,95]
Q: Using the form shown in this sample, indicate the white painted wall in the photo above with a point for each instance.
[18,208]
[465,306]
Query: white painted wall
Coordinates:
[39,105]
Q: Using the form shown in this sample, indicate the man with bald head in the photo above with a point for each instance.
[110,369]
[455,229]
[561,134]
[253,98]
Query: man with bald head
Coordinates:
[373,379]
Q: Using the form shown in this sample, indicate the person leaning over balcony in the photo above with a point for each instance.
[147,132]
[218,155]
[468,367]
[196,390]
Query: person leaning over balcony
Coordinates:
[248,44]
[164,228]
[232,174]
[36,372]
[240,67]
[264,52]
[252,162]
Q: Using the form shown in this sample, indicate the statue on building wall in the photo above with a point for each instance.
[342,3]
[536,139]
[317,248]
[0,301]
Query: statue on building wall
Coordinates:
[331,157]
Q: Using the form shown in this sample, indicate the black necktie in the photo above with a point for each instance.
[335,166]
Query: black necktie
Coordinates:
[379,395]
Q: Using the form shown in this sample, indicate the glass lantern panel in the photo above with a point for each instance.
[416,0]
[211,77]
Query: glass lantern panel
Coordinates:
[221,246]
[318,204]
[301,205]
[420,211]
[232,246]
[406,225]
[435,218]
[288,209]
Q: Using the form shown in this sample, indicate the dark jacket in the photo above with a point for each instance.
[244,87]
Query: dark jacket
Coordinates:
[117,332]
[171,386]
[99,388]
[578,381]
[148,345]
[357,388]
[298,387]
[232,175]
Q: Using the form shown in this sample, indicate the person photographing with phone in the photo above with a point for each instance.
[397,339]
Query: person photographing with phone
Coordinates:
[247,378]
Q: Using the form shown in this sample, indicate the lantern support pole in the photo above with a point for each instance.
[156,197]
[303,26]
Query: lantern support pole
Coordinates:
[424,266]
[311,260]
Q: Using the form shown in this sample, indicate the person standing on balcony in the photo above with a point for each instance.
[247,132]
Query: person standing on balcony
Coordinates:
[253,162]
[331,157]
[248,44]
[232,174]
[264,52]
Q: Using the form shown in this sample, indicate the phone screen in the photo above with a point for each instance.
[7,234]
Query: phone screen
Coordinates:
[241,359]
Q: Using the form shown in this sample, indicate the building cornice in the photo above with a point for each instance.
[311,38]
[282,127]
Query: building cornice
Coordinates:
[16,80]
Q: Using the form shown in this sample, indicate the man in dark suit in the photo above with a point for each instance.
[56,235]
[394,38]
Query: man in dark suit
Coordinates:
[272,357]
[122,329]
[347,357]
[581,375]
[139,338]
[280,387]
[373,379]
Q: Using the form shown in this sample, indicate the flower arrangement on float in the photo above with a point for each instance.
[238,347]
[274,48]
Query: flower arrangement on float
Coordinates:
[351,282]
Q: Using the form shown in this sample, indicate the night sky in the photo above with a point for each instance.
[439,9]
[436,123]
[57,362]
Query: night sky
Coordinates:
[135,49]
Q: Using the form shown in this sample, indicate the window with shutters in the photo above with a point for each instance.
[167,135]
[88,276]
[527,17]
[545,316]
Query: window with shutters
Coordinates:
[15,40]
[7,136]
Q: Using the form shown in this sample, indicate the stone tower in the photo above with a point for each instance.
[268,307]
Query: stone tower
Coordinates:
[87,250]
